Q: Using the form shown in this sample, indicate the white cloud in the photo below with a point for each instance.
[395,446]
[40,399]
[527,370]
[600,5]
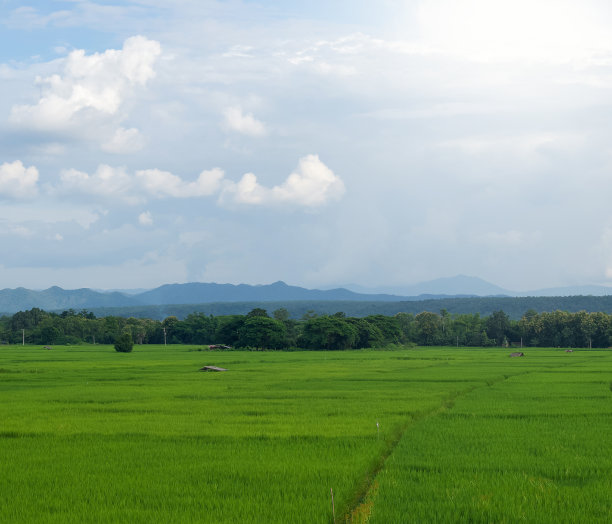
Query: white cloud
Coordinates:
[246,191]
[116,182]
[163,184]
[18,181]
[145,219]
[246,124]
[107,181]
[312,184]
[89,85]
[124,141]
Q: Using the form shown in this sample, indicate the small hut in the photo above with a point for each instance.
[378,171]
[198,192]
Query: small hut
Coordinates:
[517,354]
[212,368]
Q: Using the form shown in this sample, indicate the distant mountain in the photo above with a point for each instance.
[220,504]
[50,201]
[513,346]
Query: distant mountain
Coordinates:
[12,300]
[198,293]
[56,298]
[461,286]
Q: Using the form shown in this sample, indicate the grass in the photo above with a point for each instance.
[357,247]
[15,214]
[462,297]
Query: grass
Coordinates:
[91,435]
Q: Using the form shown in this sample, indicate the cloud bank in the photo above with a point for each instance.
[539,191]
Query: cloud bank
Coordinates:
[313,184]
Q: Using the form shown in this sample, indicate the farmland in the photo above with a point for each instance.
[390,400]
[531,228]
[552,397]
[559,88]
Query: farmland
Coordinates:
[91,435]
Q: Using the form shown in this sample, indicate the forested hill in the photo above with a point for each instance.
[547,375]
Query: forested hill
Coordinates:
[220,299]
[515,308]
[56,298]
[195,293]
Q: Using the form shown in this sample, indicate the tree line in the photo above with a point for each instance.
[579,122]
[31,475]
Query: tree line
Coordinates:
[260,330]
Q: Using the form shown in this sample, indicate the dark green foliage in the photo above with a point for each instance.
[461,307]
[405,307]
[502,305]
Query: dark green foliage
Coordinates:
[257,312]
[124,343]
[328,333]
[281,314]
[228,328]
[333,331]
[498,326]
[262,333]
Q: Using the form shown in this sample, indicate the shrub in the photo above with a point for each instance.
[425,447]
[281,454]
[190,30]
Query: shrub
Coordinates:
[124,343]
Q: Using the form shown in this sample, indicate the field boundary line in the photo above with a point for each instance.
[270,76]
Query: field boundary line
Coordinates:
[362,503]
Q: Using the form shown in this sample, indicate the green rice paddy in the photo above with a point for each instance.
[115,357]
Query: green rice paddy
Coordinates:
[414,435]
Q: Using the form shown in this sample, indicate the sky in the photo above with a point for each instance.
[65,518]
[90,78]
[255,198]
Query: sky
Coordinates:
[321,143]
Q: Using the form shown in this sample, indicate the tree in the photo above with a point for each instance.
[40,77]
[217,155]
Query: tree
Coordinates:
[498,325]
[263,333]
[124,343]
[281,314]
[228,327]
[428,325]
[389,327]
[368,334]
[257,312]
[328,332]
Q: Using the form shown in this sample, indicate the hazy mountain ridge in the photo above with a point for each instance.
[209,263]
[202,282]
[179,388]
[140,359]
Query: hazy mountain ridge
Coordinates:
[56,298]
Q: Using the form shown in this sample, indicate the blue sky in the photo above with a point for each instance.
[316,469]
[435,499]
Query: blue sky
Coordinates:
[321,143]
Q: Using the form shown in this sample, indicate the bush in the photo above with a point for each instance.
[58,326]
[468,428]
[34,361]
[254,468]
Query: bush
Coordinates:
[124,343]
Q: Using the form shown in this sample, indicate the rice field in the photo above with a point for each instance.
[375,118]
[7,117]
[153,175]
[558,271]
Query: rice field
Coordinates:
[412,435]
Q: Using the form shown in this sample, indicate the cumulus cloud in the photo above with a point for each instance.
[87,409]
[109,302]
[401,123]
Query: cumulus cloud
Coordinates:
[107,181]
[18,181]
[116,182]
[163,183]
[246,124]
[124,141]
[246,191]
[94,84]
[312,184]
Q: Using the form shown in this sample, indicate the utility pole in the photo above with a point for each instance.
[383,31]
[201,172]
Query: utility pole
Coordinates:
[23,337]
[165,337]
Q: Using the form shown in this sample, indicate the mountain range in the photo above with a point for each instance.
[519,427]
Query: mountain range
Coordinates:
[461,286]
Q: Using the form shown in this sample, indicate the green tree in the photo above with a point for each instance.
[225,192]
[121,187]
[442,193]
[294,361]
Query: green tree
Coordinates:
[262,333]
[124,343]
[228,329]
[281,314]
[327,332]
[498,326]
[428,326]
[257,312]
